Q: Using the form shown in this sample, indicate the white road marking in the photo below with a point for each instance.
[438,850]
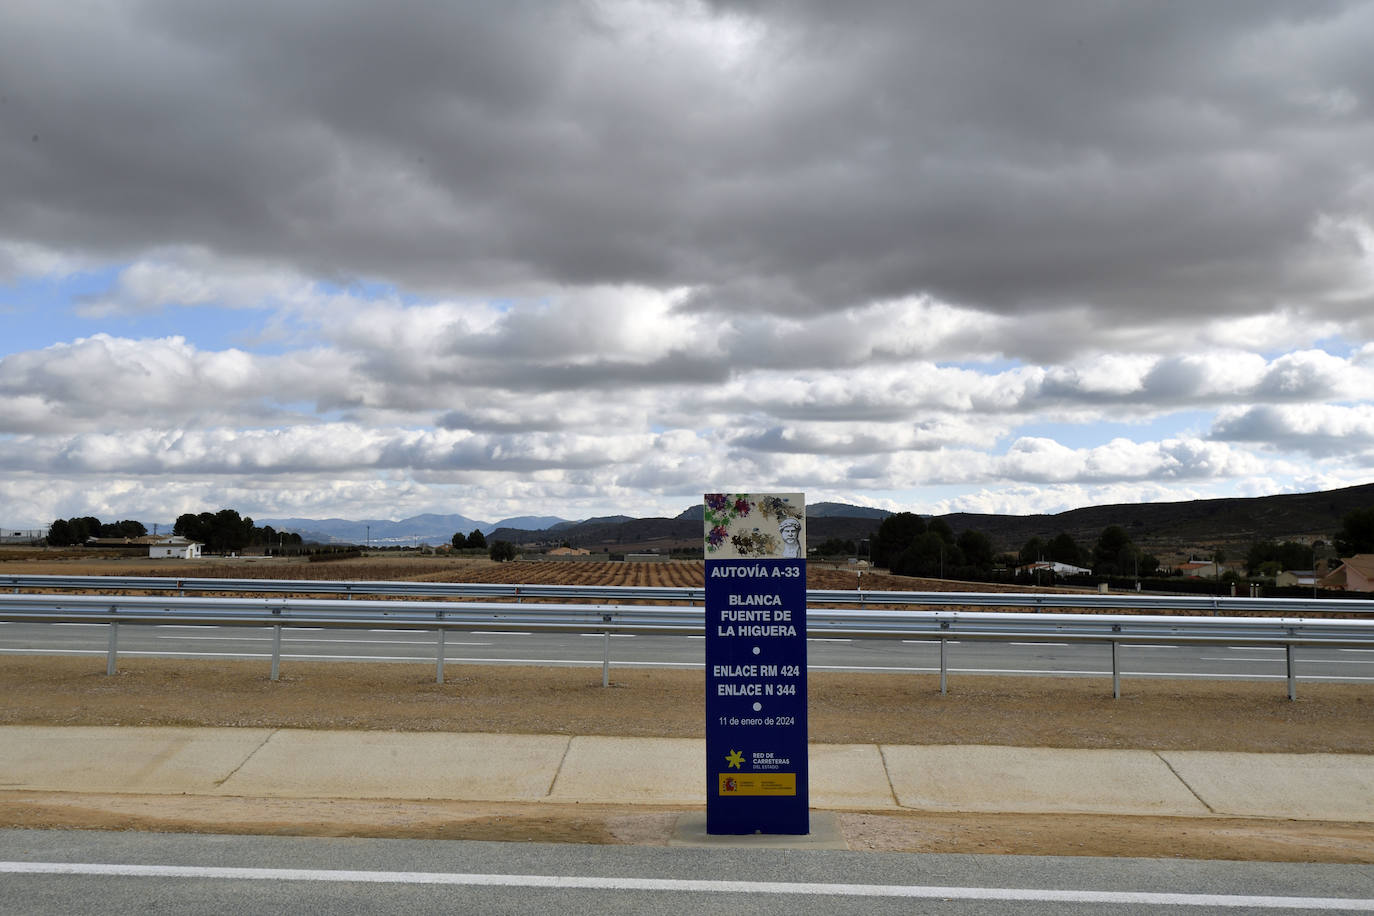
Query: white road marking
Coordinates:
[300,656]
[1329,661]
[289,638]
[685,885]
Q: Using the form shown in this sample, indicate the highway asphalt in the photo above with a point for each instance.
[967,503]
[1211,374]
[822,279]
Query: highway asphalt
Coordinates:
[58,873]
[896,656]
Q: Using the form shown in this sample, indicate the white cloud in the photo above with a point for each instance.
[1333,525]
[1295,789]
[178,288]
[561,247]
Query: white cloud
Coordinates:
[1319,429]
[189,277]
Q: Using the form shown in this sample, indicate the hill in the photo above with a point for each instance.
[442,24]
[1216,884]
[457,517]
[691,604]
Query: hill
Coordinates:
[1169,530]
[1204,524]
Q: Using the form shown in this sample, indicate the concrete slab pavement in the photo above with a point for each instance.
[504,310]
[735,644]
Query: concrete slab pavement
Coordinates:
[1032,780]
[632,771]
[297,763]
[116,759]
[1333,787]
[300,763]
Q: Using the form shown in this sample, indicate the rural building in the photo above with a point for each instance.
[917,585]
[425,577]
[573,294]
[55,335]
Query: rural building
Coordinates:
[159,545]
[569,552]
[175,546]
[1355,574]
[1290,578]
[1059,569]
[1200,569]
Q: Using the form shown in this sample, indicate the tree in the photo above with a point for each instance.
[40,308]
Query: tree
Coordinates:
[75,531]
[1063,549]
[1357,533]
[896,533]
[221,532]
[1271,558]
[477,538]
[60,533]
[126,528]
[834,547]
[1114,554]
[88,526]
[1033,551]
[502,551]
[460,540]
[977,550]
[929,555]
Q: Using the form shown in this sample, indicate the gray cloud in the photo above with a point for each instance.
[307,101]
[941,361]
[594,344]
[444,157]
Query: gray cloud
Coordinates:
[608,248]
[1319,430]
[1147,159]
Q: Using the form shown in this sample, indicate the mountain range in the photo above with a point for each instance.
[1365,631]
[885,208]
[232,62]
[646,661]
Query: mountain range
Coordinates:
[435,529]
[408,532]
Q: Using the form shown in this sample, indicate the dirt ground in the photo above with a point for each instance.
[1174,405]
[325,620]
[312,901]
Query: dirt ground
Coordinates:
[844,708]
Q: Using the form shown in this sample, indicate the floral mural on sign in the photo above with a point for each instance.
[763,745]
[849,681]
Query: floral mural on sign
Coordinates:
[748,525]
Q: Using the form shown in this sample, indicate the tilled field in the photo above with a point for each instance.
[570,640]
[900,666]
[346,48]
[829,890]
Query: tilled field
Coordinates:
[668,573]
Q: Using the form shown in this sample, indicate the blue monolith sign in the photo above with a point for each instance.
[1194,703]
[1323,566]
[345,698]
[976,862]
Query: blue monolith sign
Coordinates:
[756,733]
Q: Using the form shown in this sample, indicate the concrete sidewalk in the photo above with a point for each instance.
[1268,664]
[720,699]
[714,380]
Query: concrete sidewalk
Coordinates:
[291,763]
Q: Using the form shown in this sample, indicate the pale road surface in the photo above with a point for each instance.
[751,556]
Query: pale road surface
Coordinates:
[72,872]
[886,656]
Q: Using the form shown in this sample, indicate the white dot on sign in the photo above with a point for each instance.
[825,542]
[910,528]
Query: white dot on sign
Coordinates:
[757,707]
[756,650]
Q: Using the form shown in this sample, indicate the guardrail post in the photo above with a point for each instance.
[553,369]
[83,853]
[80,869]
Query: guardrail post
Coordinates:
[276,648]
[439,662]
[605,653]
[1292,673]
[110,657]
[944,670]
[1116,671]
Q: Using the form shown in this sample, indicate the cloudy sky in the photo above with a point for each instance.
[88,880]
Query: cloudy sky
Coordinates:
[309,258]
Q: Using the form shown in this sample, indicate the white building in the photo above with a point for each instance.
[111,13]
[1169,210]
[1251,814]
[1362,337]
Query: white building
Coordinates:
[173,546]
[1059,569]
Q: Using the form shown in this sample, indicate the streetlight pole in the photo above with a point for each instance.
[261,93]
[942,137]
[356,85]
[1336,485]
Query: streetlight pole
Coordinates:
[1314,569]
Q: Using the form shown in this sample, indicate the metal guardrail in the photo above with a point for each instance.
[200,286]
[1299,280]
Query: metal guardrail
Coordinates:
[615,594]
[608,618]
[404,589]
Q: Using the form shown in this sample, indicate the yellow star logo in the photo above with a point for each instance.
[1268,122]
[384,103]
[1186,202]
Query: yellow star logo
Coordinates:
[734,759]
